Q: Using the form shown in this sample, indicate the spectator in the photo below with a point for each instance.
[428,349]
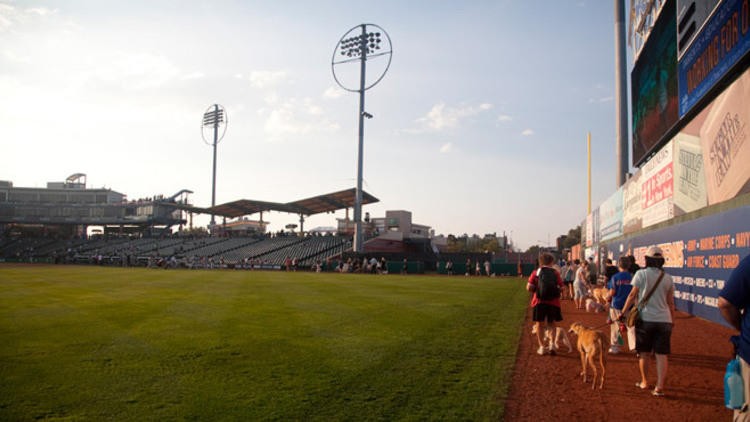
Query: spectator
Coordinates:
[449,267]
[634,267]
[619,288]
[610,270]
[580,285]
[468,266]
[734,300]
[545,309]
[654,331]
[405,268]
[487,267]
[569,274]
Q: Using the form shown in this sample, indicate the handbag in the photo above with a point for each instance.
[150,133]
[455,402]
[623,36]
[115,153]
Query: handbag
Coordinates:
[634,316]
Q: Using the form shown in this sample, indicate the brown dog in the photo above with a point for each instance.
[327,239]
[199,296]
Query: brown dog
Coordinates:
[601,295]
[590,344]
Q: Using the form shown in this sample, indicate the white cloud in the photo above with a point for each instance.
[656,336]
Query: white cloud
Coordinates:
[504,118]
[194,75]
[11,56]
[134,71]
[527,132]
[446,147]
[295,116]
[10,15]
[333,92]
[442,117]
[268,78]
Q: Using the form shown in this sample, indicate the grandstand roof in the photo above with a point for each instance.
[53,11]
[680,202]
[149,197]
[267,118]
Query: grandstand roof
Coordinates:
[315,205]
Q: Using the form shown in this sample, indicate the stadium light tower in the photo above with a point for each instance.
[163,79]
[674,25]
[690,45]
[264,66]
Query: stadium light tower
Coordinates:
[362,43]
[213,119]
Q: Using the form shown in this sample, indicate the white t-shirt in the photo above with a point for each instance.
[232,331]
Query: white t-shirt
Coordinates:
[656,309]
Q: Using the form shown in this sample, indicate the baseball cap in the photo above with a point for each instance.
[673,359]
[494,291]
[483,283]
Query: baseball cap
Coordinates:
[654,252]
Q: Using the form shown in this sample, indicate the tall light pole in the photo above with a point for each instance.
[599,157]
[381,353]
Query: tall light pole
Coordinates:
[213,118]
[621,96]
[358,45]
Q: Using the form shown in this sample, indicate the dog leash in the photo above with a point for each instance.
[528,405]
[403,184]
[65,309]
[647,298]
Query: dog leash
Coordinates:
[602,326]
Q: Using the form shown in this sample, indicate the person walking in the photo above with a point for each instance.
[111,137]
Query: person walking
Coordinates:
[580,286]
[653,293]
[734,301]
[569,274]
[545,283]
[619,289]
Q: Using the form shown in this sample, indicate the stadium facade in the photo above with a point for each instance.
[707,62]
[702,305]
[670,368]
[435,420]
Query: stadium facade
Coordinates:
[690,193]
[67,208]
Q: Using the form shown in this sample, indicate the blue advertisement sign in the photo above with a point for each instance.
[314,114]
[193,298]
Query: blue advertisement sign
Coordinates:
[724,40]
[610,216]
[700,255]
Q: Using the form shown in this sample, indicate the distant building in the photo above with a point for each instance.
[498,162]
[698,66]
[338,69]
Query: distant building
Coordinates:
[68,208]
[395,222]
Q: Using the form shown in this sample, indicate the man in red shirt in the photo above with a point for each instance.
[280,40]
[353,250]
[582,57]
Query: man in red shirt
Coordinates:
[545,283]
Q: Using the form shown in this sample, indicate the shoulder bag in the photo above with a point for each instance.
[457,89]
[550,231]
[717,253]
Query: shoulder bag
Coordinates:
[635,314]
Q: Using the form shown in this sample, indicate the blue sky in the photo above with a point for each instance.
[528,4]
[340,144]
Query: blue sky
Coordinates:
[480,124]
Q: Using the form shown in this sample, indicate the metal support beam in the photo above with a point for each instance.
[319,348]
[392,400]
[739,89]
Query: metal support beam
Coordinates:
[621,96]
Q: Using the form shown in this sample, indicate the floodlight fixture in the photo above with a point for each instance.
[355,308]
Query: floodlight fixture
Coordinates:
[360,45]
[213,119]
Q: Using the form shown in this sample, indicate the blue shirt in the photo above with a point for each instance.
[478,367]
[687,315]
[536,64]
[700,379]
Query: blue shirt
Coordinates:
[621,283]
[737,292]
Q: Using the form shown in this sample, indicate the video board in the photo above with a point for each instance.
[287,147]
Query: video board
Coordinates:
[654,91]
[721,43]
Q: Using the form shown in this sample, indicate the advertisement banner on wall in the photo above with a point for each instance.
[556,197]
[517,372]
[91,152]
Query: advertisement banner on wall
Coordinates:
[724,40]
[699,254]
[589,230]
[657,186]
[653,82]
[610,216]
[689,176]
[595,226]
[725,140]
[632,204]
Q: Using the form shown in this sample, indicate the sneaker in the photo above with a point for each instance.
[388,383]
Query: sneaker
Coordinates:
[541,350]
[657,393]
[613,350]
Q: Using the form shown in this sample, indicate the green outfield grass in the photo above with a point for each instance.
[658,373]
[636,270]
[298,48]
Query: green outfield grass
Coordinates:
[88,343]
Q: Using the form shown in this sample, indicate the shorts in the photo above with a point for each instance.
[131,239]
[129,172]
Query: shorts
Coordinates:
[579,290]
[653,336]
[543,311]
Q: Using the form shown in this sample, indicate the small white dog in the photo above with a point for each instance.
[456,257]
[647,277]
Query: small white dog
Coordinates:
[560,334]
[594,306]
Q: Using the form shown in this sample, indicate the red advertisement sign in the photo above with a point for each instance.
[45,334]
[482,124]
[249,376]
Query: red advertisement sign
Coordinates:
[658,187]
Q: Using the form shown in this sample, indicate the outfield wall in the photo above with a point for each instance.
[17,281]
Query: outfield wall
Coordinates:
[700,255]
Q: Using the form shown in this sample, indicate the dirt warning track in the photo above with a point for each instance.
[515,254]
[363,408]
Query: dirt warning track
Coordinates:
[550,388]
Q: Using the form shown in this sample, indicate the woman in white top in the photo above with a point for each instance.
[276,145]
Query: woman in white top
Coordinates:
[654,331]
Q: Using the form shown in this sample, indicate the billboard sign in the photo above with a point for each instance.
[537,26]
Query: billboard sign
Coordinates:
[657,187]
[589,230]
[723,41]
[610,216]
[632,206]
[689,174]
[700,255]
[654,85]
[595,226]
